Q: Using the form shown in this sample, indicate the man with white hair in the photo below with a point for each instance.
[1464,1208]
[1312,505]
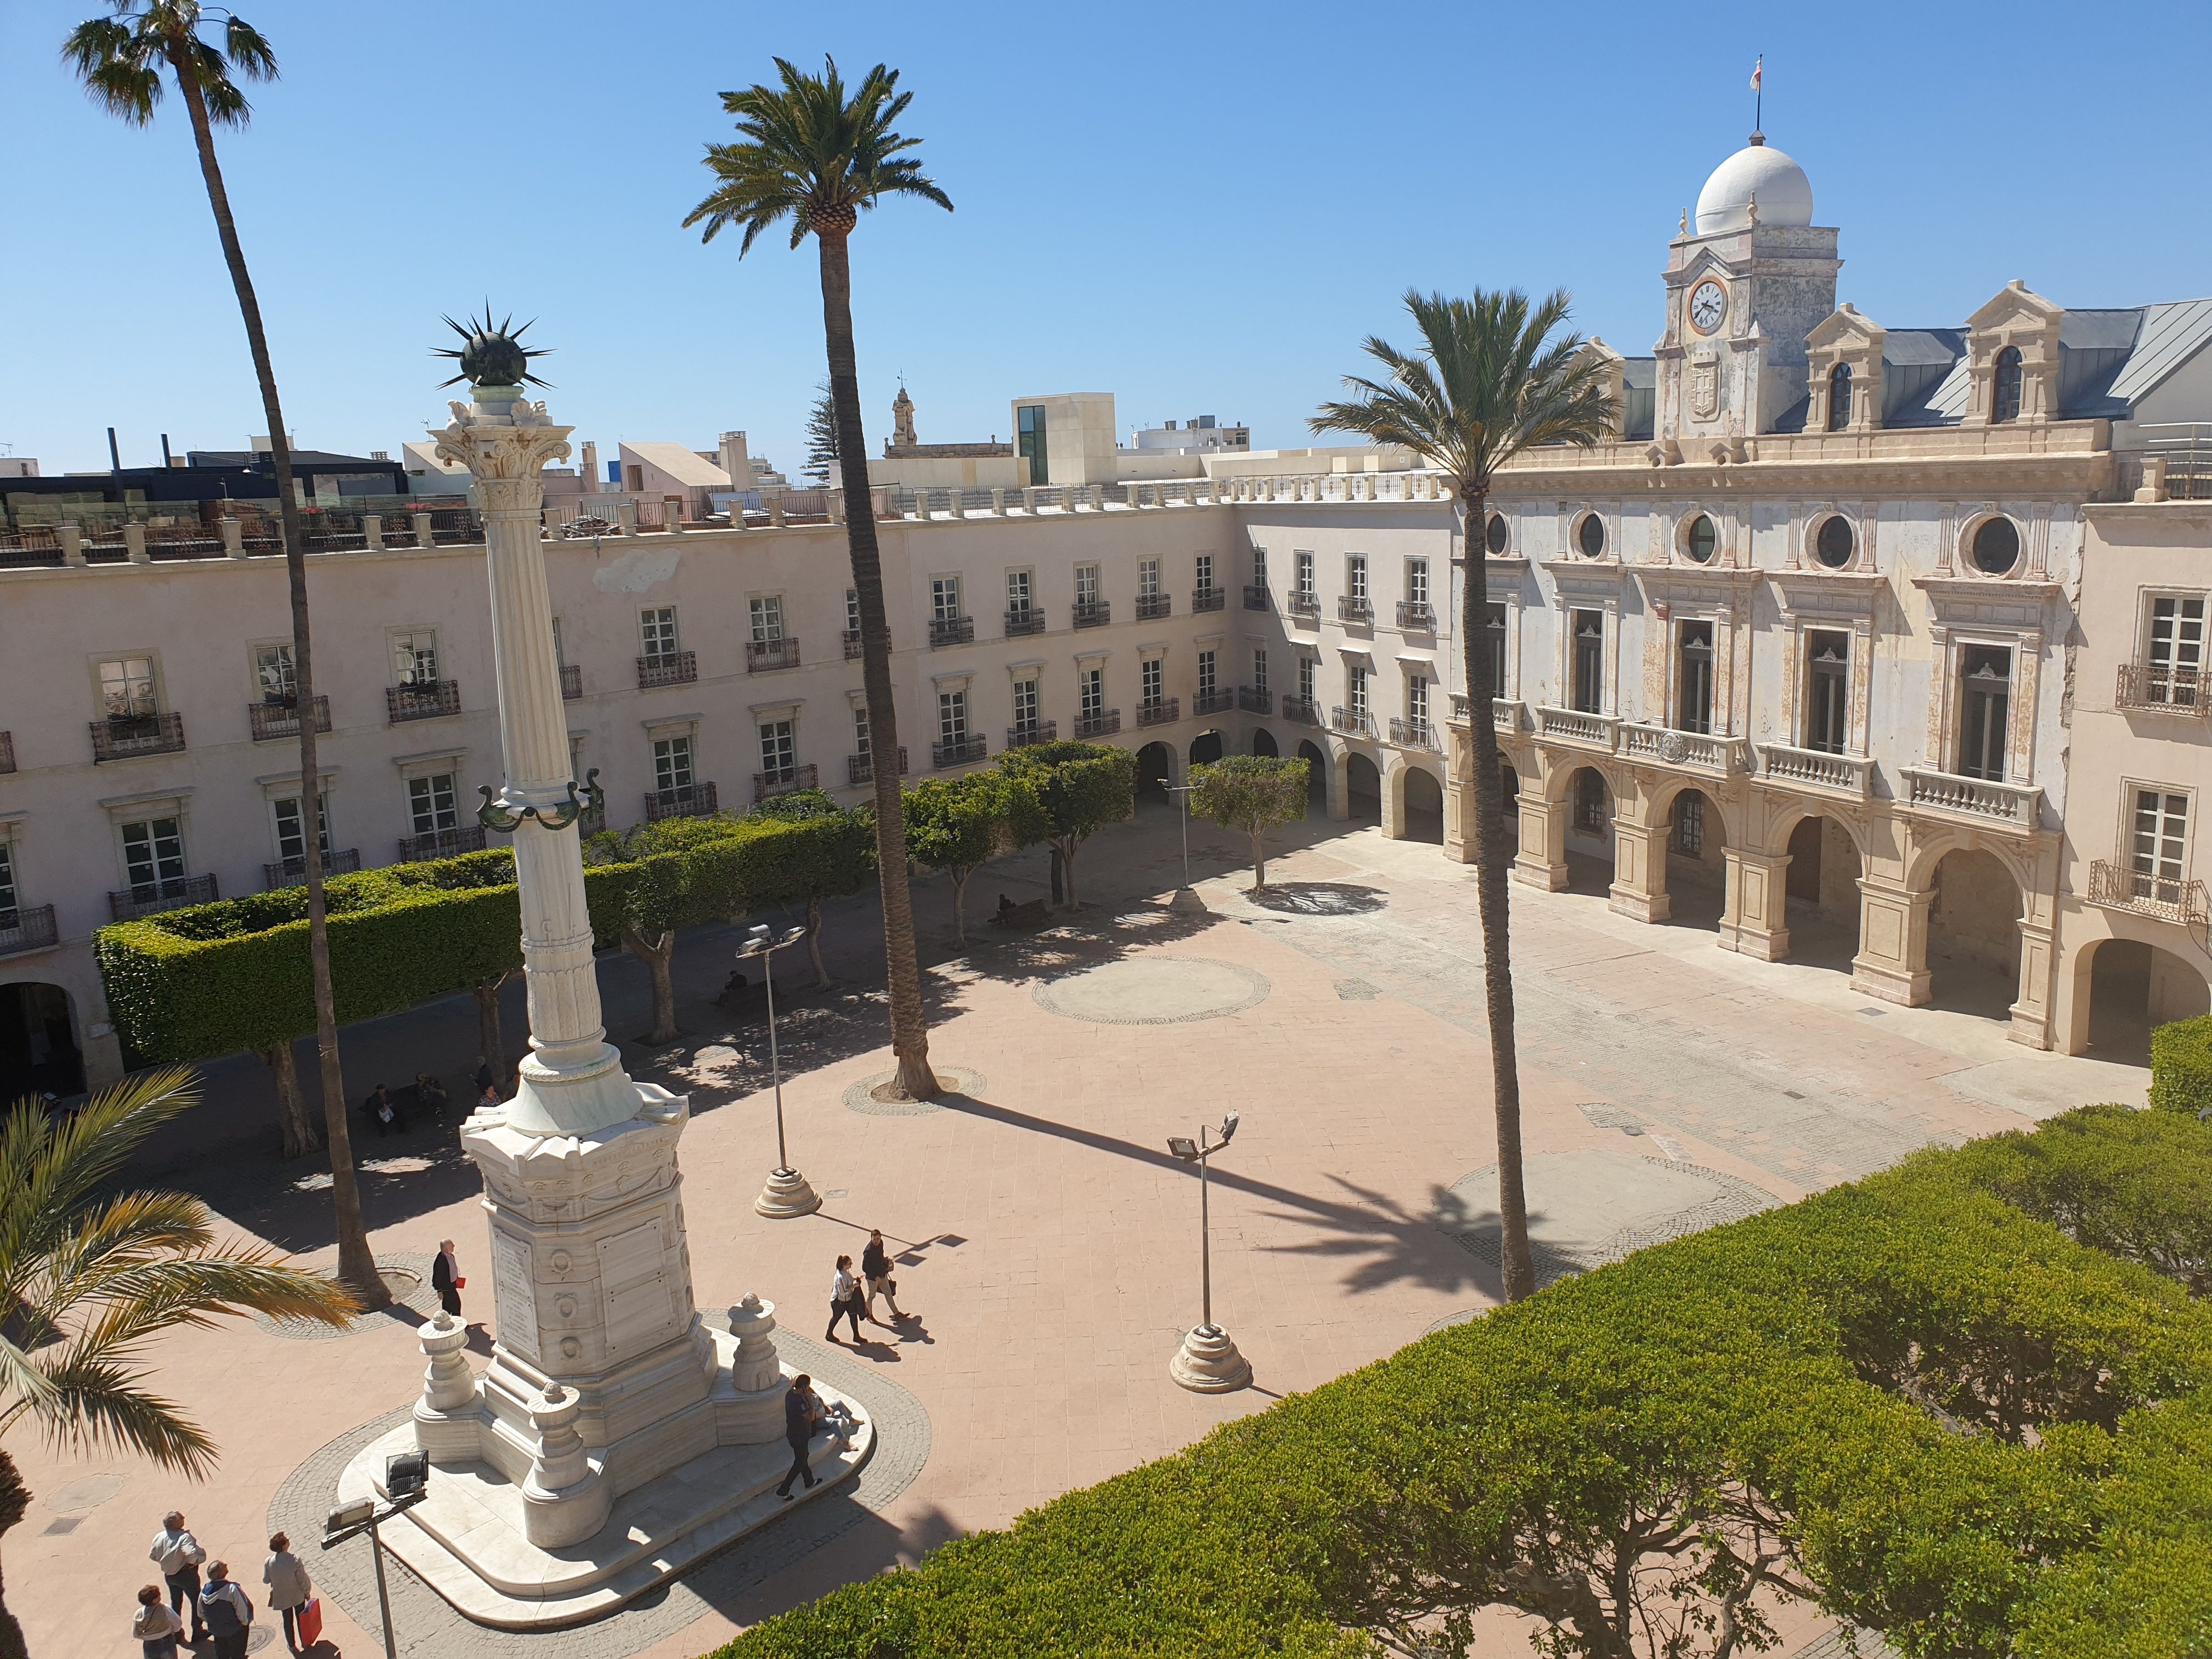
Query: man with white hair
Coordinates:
[179,1555]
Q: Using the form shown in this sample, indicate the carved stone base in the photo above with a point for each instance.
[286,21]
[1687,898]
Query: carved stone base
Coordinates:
[1208,1363]
[1762,944]
[1643,907]
[786,1195]
[1887,984]
[1546,877]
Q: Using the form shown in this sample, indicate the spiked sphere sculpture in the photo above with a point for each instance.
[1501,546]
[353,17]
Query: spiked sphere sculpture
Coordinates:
[491,355]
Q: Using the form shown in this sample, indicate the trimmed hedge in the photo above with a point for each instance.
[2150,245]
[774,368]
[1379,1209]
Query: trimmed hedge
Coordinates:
[2181,1065]
[1953,1422]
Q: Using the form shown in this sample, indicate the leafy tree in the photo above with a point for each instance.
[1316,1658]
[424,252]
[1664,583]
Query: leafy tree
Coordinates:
[1079,789]
[822,437]
[958,824]
[818,158]
[120,59]
[1254,794]
[87,1281]
[1494,376]
[840,861]
[673,888]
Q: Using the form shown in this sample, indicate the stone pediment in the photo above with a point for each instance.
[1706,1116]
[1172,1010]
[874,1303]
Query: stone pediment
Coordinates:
[2006,601]
[1846,326]
[1714,584]
[1852,593]
[1588,579]
[2015,308]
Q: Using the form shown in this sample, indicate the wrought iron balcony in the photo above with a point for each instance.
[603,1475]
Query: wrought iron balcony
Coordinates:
[765,656]
[424,700]
[1354,722]
[1255,700]
[1408,733]
[2159,689]
[2169,898]
[1024,619]
[1104,723]
[1150,605]
[1208,598]
[1851,776]
[951,630]
[1982,801]
[785,780]
[1021,737]
[685,800]
[280,717]
[1698,751]
[1214,702]
[1303,604]
[27,928]
[441,843]
[956,751]
[861,768]
[1160,711]
[1579,728]
[672,668]
[122,737]
[1256,596]
[1300,711]
[572,682]
[1349,609]
[853,651]
[291,872]
[148,898]
[1093,613]
[1418,615]
[7,751]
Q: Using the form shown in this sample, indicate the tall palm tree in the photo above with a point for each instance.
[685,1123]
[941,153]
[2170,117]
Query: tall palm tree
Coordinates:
[120,60]
[813,155]
[87,1281]
[1494,376]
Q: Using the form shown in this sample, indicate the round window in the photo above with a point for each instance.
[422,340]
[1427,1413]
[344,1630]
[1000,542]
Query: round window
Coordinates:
[1832,546]
[1590,537]
[1997,547]
[1494,538]
[1702,539]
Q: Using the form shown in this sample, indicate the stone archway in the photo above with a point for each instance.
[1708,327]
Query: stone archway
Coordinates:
[1422,811]
[1263,742]
[1363,789]
[2133,986]
[1316,778]
[1205,748]
[1973,935]
[1589,807]
[1155,771]
[38,1054]
[1821,893]
[1697,861]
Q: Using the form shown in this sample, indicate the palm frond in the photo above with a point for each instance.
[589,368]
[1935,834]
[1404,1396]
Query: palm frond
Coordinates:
[249,52]
[100,1406]
[113,61]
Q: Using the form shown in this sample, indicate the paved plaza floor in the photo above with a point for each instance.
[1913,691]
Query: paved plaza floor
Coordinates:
[1048,1240]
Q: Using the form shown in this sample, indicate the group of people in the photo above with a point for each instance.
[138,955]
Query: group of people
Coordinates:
[854,1298]
[386,1115]
[221,1611]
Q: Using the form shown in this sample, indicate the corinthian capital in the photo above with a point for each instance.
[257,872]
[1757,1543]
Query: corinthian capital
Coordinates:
[496,441]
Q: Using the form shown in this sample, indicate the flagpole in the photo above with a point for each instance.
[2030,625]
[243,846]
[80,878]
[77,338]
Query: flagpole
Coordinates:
[1758,100]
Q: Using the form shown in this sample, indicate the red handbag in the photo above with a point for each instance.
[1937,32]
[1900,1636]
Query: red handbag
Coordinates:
[311,1621]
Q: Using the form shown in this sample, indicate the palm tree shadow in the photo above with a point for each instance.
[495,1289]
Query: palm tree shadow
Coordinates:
[1383,1241]
[1319,898]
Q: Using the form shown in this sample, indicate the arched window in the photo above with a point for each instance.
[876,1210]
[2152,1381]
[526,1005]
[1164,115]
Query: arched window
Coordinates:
[1495,537]
[1997,546]
[2004,392]
[1832,546]
[1701,540]
[1839,396]
[1590,537]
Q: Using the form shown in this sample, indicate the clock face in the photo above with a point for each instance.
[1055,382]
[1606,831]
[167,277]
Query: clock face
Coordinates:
[1708,305]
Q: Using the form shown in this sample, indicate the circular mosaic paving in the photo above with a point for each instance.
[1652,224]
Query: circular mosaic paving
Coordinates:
[407,1276]
[1153,991]
[870,1095]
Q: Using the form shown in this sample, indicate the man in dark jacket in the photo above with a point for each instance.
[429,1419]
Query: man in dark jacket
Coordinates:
[446,1278]
[797,1432]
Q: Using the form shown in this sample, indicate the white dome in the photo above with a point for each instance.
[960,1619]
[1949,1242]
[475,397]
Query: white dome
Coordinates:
[1785,194]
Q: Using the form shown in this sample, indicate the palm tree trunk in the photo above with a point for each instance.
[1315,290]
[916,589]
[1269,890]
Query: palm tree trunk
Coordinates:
[1493,859]
[356,1263]
[291,1112]
[15,1500]
[909,1021]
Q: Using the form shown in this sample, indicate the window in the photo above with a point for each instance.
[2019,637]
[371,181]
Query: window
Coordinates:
[779,742]
[1148,676]
[945,599]
[560,650]
[292,835]
[1839,396]
[1417,700]
[1589,536]
[656,630]
[671,762]
[126,688]
[1589,661]
[415,658]
[767,613]
[860,728]
[1148,578]
[1259,671]
[153,856]
[1590,802]
[1305,679]
[1018,590]
[1694,711]
[2176,651]
[636,477]
[1025,704]
[1701,539]
[1355,576]
[1416,581]
[430,803]
[1091,684]
[11,914]
[1497,536]
[273,675]
[1204,582]
[1690,825]
[1356,690]
[2161,834]
[1495,632]
[2005,386]
[1086,584]
[1029,423]
[1828,693]
[1305,574]
[1834,545]
[1997,546]
[852,611]
[1205,673]
[952,715]
[1259,566]
[1986,671]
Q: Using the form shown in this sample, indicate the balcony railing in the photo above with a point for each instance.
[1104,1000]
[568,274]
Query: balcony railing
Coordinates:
[1417,614]
[861,768]
[424,702]
[1152,606]
[1093,613]
[1218,701]
[765,656]
[441,843]
[852,638]
[148,898]
[1701,751]
[268,719]
[1353,722]
[572,682]
[1849,776]
[1021,737]
[27,928]
[2169,898]
[1349,609]
[2013,807]
[291,872]
[673,668]
[1160,711]
[1257,596]
[1255,700]
[1598,732]
[1024,619]
[1208,598]
[120,736]
[785,780]
[1302,604]
[951,630]
[1300,711]
[2158,688]
[7,751]
[685,800]
[1409,733]
[956,751]
[1104,723]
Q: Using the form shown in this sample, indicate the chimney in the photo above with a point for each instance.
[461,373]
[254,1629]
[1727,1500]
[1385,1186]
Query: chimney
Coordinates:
[594,479]
[736,461]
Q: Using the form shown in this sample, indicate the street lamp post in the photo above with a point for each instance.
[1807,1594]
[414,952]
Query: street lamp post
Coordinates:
[407,1479]
[786,1193]
[1181,793]
[1207,1362]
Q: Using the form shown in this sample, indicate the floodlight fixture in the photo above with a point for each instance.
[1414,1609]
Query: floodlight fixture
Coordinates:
[349,1515]
[406,1473]
[1183,1147]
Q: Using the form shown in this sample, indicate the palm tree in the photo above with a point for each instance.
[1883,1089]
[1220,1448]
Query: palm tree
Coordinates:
[120,60]
[87,1281]
[821,436]
[1494,377]
[820,159]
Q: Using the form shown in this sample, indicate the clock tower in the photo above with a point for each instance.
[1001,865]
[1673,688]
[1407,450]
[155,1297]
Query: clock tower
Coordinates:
[1746,280]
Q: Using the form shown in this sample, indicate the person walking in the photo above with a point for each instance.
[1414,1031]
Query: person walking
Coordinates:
[228,1615]
[156,1627]
[286,1575]
[876,1268]
[797,1432]
[446,1278]
[179,1555]
[844,1300]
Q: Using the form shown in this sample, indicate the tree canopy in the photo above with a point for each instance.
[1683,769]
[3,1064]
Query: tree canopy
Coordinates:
[1252,793]
[1079,789]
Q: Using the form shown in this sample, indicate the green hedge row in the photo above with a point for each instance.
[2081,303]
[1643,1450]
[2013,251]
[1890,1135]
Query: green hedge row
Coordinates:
[1919,1397]
[2181,1065]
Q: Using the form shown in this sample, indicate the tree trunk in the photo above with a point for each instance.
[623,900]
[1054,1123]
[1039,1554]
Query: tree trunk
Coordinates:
[291,1113]
[1259,861]
[356,1263]
[909,1019]
[657,953]
[959,906]
[1493,858]
[1065,846]
[814,943]
[491,1036]
[15,1500]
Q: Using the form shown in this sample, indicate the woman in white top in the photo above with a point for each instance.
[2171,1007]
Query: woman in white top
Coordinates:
[844,1300]
[286,1575]
[155,1627]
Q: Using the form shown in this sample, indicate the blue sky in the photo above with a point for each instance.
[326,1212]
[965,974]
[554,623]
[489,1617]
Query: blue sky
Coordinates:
[1201,209]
